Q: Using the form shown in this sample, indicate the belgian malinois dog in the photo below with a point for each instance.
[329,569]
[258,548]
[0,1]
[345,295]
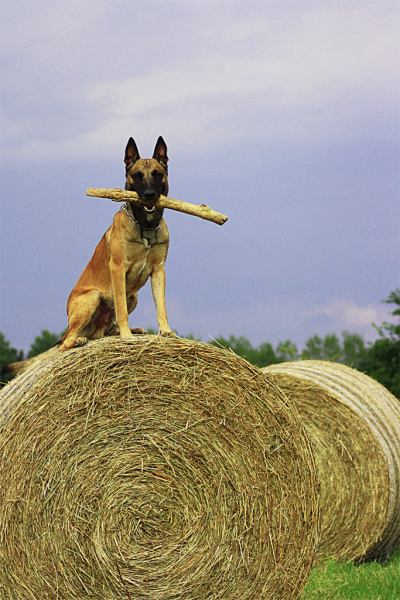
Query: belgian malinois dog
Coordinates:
[130,252]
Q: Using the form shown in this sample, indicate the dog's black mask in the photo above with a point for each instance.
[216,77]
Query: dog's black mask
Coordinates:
[149,179]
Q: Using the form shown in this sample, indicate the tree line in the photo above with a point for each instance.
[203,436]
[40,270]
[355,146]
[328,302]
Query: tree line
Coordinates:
[379,359]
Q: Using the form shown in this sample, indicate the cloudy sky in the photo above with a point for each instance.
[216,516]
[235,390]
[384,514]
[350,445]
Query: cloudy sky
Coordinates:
[282,114]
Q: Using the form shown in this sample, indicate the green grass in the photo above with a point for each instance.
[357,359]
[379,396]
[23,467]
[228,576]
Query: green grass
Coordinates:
[346,581]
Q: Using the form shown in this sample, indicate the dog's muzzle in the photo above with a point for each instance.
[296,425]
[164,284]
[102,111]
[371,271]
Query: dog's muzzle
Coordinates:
[149,201]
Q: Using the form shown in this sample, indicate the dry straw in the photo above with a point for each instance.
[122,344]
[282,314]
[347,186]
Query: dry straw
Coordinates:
[153,468]
[354,426]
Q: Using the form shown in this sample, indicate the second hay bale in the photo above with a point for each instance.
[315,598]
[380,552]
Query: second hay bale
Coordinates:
[154,468]
[354,425]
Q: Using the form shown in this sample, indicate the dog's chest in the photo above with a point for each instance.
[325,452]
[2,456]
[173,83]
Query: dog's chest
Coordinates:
[141,260]
[138,267]
[142,251]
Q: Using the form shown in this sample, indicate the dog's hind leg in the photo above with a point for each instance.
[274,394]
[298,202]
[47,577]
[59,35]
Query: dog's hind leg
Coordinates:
[81,312]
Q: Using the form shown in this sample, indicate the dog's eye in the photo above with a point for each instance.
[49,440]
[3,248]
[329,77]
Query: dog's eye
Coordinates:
[138,176]
[156,175]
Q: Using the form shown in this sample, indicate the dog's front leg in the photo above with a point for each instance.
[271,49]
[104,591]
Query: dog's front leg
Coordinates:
[158,289]
[118,283]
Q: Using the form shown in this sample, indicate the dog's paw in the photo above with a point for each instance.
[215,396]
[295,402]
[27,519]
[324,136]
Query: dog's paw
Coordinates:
[126,335]
[167,333]
[80,341]
[138,331]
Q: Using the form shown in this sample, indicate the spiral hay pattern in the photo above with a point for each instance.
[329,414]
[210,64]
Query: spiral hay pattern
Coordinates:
[354,426]
[152,468]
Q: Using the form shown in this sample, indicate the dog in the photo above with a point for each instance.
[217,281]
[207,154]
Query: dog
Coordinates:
[132,251]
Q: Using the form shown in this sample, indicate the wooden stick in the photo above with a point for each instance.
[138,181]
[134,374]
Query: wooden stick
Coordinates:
[203,211]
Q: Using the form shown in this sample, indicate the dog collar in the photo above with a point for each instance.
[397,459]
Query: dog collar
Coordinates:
[126,208]
[149,235]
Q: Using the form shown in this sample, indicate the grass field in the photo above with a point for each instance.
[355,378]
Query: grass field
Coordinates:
[345,581]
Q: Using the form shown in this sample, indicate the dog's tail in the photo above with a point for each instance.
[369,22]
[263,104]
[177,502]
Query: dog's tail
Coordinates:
[16,368]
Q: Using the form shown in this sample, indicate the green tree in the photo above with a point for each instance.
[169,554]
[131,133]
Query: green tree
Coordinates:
[327,348]
[286,351]
[240,345]
[382,358]
[391,330]
[265,355]
[261,356]
[8,354]
[353,349]
[383,364]
[350,349]
[43,342]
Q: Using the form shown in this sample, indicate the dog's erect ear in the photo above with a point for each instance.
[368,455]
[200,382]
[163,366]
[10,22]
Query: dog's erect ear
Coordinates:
[131,152]
[160,152]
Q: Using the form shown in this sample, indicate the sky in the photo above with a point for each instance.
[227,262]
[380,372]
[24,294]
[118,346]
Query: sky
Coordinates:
[282,114]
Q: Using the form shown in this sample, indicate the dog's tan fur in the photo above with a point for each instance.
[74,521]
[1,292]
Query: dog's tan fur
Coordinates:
[124,260]
[131,251]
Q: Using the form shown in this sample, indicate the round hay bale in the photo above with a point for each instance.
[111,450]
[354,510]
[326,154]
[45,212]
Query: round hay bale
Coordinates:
[153,468]
[354,426]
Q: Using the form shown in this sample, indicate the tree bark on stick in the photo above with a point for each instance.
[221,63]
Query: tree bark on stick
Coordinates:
[197,210]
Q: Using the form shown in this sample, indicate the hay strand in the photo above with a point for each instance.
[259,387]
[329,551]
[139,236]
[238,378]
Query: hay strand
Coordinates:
[354,426]
[152,468]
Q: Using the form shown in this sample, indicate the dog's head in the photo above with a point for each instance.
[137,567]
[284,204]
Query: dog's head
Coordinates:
[148,177]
